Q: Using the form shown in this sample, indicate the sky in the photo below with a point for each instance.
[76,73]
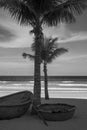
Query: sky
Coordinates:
[15,39]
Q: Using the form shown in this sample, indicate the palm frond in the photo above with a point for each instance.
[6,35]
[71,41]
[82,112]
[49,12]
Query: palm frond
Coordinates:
[56,53]
[24,55]
[64,12]
[49,50]
[51,44]
[19,10]
[76,7]
[51,12]
[56,17]
[41,6]
[31,57]
[30,8]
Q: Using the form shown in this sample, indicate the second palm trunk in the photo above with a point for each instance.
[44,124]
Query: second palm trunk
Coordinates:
[46,81]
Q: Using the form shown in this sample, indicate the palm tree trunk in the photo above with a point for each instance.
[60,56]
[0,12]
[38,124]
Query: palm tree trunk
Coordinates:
[46,81]
[37,78]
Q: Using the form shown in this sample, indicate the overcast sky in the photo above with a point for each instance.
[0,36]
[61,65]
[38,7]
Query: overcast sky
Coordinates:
[14,40]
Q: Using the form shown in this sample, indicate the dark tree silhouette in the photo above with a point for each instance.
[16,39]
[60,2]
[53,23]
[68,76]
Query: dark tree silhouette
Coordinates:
[49,51]
[38,13]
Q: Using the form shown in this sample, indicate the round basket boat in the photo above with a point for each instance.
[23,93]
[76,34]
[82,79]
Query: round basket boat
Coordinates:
[57,112]
[14,105]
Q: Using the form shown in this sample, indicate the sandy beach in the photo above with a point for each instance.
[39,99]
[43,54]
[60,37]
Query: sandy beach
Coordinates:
[29,122]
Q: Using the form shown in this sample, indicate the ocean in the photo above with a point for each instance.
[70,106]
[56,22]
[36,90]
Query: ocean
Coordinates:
[59,86]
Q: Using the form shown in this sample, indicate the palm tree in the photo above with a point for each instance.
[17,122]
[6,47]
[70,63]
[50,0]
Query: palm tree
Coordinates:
[49,51]
[37,13]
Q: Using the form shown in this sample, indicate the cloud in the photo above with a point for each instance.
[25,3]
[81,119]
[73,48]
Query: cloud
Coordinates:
[74,37]
[65,34]
[72,58]
[6,35]
[14,37]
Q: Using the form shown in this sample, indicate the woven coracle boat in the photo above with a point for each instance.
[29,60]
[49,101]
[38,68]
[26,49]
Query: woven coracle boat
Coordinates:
[15,105]
[56,112]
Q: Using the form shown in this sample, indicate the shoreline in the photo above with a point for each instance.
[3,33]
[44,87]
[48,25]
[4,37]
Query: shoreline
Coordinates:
[52,94]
